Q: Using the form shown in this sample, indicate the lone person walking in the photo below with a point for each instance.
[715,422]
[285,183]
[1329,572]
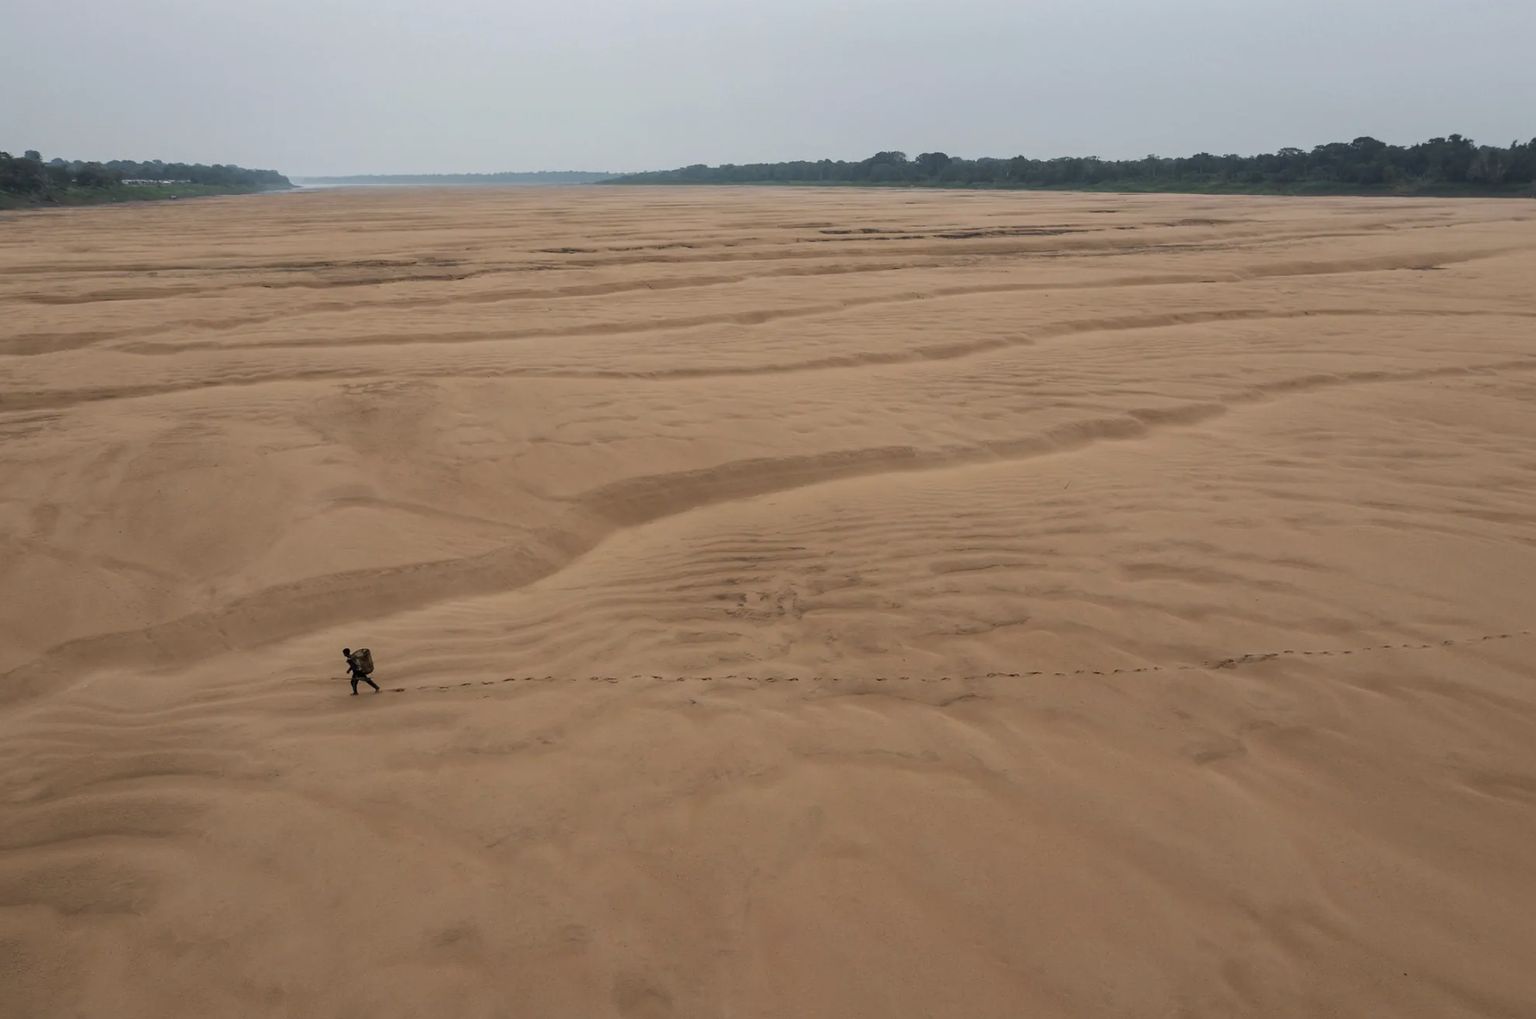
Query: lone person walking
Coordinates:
[360,664]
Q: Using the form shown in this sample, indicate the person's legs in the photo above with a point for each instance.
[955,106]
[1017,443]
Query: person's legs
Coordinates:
[371,683]
[354,686]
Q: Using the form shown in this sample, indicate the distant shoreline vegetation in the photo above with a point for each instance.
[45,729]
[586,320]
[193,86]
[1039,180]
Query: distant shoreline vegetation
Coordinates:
[27,180]
[1440,166]
[386,179]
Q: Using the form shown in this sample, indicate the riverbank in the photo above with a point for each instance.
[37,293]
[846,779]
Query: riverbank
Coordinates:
[1308,189]
[125,193]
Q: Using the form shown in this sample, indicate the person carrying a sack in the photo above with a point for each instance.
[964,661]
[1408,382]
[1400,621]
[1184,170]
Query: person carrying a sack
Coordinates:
[360,664]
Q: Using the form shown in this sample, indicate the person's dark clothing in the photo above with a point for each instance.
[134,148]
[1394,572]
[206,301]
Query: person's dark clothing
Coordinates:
[357,673]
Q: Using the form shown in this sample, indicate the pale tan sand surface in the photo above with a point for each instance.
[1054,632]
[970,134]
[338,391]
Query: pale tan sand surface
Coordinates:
[790,603]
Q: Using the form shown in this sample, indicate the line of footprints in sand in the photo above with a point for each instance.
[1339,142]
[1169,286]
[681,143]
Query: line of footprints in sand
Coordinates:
[1223,663]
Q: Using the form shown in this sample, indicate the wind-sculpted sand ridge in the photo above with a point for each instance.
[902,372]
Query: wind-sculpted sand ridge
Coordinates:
[25,343]
[290,609]
[246,376]
[787,602]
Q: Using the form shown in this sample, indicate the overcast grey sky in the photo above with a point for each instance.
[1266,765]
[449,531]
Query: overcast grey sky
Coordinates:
[352,86]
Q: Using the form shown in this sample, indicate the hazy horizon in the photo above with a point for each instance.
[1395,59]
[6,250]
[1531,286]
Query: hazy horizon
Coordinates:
[340,88]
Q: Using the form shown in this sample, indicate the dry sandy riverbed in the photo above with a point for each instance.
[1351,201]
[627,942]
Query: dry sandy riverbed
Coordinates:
[789,603]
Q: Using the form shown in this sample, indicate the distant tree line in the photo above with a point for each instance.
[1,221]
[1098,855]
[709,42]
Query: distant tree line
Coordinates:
[509,177]
[1450,164]
[28,175]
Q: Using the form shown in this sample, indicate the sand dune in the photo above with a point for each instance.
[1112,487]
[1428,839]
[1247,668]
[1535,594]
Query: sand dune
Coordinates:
[787,602]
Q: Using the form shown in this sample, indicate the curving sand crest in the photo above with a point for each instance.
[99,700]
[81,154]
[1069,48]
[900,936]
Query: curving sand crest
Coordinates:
[814,603]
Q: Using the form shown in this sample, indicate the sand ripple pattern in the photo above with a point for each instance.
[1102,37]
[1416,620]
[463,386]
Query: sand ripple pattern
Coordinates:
[787,603]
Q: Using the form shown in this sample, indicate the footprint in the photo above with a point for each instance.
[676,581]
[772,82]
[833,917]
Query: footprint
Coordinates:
[1212,747]
[637,998]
